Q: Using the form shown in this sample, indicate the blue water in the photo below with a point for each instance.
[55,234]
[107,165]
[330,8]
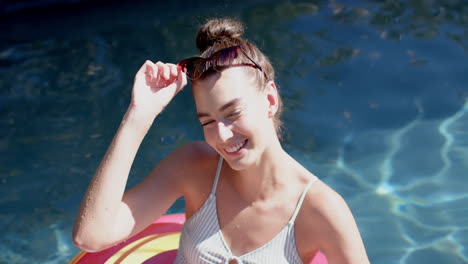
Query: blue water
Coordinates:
[376,96]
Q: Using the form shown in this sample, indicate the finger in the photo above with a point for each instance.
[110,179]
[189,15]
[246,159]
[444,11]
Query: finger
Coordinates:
[144,66]
[142,72]
[151,71]
[164,69]
[181,80]
[174,73]
[173,69]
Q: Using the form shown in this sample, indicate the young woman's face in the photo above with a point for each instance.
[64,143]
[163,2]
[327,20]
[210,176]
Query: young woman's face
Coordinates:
[235,117]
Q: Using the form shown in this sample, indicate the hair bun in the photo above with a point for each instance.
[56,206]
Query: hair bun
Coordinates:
[219,30]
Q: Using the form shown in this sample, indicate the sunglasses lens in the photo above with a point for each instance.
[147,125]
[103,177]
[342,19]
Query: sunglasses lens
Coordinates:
[224,58]
[194,67]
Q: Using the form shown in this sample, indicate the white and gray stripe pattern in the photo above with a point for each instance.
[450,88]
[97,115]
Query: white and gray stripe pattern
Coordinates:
[202,241]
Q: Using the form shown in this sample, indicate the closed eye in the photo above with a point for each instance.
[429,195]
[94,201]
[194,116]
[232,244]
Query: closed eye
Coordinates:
[234,114]
[207,122]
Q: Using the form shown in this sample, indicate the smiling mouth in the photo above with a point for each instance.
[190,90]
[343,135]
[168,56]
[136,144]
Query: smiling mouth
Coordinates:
[236,147]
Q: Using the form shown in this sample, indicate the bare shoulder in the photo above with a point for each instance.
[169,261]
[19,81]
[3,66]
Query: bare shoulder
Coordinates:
[328,224]
[325,202]
[190,161]
[194,152]
[196,165]
[323,209]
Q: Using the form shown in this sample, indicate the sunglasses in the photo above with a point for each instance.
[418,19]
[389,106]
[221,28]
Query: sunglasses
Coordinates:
[222,59]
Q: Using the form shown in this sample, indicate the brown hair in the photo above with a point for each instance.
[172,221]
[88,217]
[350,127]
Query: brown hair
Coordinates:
[219,33]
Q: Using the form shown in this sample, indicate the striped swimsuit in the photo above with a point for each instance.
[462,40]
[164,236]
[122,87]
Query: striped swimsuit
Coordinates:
[202,241]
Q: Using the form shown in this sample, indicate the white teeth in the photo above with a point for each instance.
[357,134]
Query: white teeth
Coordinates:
[235,148]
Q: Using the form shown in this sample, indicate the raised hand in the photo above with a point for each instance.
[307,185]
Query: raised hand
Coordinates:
[154,87]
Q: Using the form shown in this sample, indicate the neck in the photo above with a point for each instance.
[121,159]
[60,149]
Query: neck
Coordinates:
[261,180]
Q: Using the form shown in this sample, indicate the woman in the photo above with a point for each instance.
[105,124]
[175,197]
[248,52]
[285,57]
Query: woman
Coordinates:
[247,200]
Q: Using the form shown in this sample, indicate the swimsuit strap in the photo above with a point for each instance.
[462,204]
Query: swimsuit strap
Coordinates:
[218,171]
[298,206]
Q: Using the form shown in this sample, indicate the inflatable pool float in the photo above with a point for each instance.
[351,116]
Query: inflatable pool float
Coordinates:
[158,243]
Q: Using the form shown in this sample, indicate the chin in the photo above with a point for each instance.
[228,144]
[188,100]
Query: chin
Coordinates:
[239,164]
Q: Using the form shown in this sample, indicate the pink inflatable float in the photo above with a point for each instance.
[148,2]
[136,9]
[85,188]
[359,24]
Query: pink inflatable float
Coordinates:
[158,243]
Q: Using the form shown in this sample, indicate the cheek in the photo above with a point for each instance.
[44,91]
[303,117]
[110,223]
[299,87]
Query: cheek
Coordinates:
[247,125]
[209,135]
[255,118]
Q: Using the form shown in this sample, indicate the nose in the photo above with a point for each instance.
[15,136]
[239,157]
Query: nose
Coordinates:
[224,131]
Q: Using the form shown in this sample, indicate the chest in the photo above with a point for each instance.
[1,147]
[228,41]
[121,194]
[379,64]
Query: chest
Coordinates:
[239,240]
[246,228]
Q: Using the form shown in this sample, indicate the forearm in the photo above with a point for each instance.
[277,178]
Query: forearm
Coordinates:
[103,199]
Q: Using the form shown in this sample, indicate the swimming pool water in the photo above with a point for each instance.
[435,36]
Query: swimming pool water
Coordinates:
[376,96]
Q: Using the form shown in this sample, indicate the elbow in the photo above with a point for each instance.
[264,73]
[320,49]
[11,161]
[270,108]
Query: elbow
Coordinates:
[86,244]
[89,243]
[91,236]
